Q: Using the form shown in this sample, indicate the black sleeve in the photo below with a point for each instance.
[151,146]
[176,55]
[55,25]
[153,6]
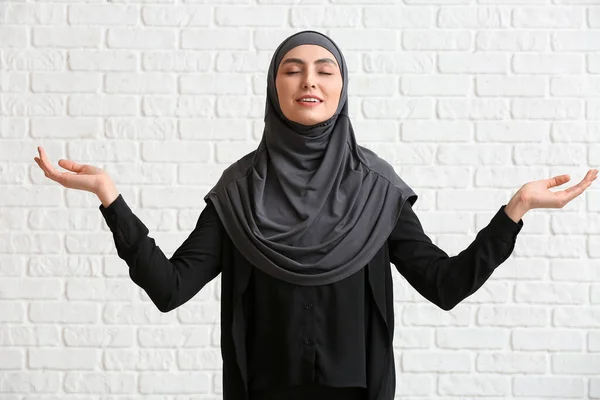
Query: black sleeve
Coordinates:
[444,280]
[169,282]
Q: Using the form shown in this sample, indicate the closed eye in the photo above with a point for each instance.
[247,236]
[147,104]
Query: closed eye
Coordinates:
[297,72]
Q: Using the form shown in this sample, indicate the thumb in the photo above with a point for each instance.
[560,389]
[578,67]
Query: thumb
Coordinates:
[558,180]
[65,164]
[70,165]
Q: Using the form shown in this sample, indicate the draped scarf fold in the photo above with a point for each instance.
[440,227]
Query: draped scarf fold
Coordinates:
[309,206]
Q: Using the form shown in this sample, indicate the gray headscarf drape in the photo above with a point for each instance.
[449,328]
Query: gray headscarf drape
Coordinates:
[309,206]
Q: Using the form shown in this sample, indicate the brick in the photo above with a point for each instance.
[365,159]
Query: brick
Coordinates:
[417,131]
[222,84]
[473,63]
[371,39]
[238,16]
[30,382]
[436,40]
[473,17]
[397,17]
[105,14]
[216,39]
[330,17]
[512,316]
[576,316]
[138,360]
[551,293]
[175,383]
[199,360]
[512,363]
[12,36]
[63,312]
[472,338]
[32,14]
[510,86]
[99,382]
[138,83]
[33,60]
[176,15]
[547,63]
[103,60]
[177,61]
[505,40]
[576,40]
[546,18]
[66,37]
[137,38]
[63,127]
[553,386]
[474,109]
[82,105]
[63,359]
[471,385]
[547,108]
[65,82]
[419,361]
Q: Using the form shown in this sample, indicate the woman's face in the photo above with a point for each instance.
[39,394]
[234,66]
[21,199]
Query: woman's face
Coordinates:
[305,72]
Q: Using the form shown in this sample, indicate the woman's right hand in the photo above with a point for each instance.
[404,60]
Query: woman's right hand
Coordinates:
[85,177]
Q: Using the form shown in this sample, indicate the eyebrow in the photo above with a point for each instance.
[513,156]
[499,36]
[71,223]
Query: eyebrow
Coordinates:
[299,61]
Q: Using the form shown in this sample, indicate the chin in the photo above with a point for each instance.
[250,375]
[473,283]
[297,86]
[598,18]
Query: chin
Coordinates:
[312,120]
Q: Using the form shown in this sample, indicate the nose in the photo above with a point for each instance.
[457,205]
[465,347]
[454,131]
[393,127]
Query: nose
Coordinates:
[308,80]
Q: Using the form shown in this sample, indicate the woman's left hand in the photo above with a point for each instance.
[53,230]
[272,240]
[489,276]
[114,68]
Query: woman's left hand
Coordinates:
[536,194]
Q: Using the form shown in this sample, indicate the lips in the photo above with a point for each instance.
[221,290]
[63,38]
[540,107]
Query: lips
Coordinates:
[310,96]
[309,104]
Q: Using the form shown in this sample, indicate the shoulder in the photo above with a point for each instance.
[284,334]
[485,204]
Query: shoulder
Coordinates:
[235,171]
[241,167]
[385,170]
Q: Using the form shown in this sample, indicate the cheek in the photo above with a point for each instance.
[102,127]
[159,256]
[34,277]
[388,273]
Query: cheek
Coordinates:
[283,95]
[283,88]
[335,92]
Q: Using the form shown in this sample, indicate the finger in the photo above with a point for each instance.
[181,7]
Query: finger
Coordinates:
[586,181]
[572,192]
[590,175]
[38,162]
[48,168]
[41,165]
[578,186]
[558,180]
[70,165]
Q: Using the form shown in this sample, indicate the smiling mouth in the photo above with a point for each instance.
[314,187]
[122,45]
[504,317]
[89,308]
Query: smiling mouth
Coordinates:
[309,103]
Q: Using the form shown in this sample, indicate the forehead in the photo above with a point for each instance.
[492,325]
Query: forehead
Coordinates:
[308,53]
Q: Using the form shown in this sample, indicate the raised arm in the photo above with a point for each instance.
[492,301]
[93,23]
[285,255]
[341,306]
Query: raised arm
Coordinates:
[169,282]
[444,280]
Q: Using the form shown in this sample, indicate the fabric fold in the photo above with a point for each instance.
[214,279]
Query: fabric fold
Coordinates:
[309,206]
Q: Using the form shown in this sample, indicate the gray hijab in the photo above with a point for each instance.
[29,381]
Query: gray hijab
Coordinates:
[309,206]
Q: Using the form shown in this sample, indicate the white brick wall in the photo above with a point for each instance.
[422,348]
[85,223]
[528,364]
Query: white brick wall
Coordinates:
[469,99]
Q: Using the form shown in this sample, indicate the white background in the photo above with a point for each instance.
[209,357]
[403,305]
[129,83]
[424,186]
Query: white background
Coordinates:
[468,100]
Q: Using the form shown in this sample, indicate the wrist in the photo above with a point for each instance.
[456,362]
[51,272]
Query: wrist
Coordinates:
[107,192]
[516,208]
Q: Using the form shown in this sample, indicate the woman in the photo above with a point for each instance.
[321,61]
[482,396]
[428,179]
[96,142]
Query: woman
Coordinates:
[303,231]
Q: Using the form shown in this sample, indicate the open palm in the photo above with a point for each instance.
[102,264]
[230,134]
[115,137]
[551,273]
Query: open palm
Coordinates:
[536,194]
[84,176]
